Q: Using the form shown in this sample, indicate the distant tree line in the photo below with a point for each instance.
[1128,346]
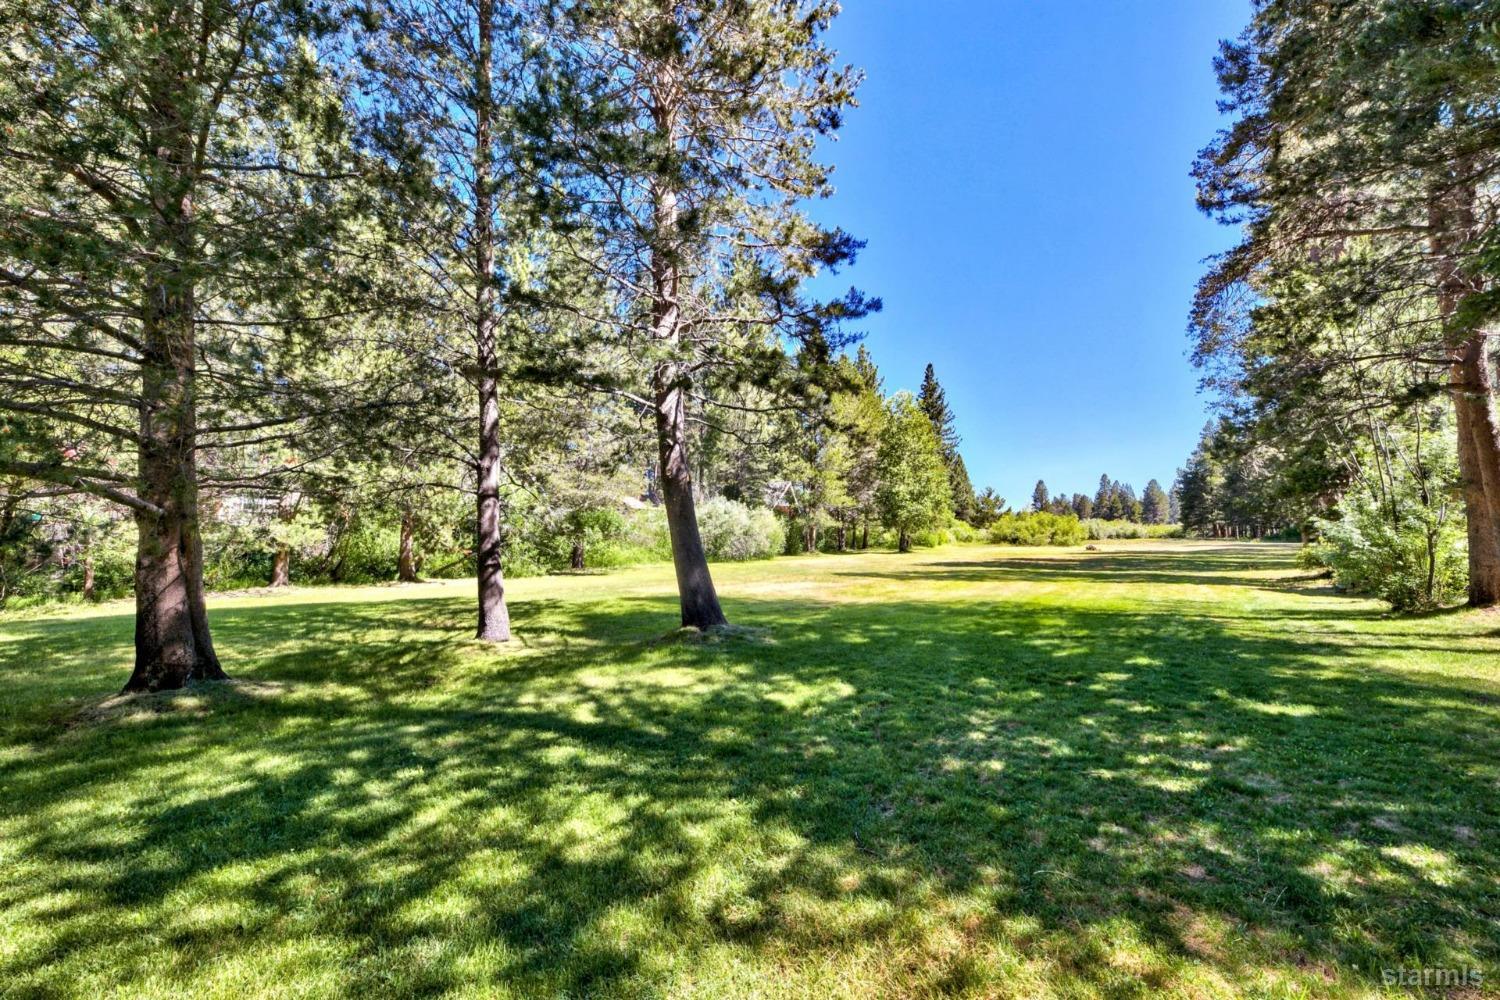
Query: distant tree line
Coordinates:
[1112,501]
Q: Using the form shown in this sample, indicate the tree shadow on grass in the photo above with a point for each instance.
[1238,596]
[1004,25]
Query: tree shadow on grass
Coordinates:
[577,815]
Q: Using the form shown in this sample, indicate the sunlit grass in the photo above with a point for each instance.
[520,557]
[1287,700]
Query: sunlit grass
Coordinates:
[1160,769]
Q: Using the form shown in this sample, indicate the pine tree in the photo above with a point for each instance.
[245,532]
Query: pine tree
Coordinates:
[691,129]
[962,490]
[934,402]
[988,506]
[1104,499]
[171,209]
[1155,505]
[1040,496]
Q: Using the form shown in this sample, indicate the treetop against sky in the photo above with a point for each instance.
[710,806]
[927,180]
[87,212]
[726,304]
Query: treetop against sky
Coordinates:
[1022,177]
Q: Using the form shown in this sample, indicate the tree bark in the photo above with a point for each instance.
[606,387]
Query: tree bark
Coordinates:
[173,645]
[575,558]
[406,558]
[281,567]
[88,578]
[697,597]
[1471,385]
[903,542]
[494,615]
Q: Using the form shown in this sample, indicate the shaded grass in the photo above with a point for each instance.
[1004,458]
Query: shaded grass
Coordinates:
[1160,769]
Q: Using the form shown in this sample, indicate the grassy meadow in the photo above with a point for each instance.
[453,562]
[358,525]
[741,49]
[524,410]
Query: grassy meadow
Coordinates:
[1162,769]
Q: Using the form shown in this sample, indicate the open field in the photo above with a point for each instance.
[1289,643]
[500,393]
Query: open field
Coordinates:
[1169,769]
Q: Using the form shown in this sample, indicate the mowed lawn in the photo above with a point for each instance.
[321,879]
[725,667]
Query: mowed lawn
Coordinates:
[1179,769]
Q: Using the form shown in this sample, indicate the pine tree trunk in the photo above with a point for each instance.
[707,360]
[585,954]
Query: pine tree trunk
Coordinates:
[575,558]
[406,557]
[172,641]
[1472,387]
[281,567]
[88,578]
[695,586]
[494,616]
[864,541]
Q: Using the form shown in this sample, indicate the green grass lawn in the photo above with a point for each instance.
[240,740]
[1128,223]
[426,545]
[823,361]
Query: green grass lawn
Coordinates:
[1169,769]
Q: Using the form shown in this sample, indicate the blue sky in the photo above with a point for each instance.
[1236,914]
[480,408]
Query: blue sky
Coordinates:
[1021,175]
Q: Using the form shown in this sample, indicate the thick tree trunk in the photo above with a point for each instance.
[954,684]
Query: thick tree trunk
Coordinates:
[575,558]
[281,567]
[1471,384]
[406,557]
[172,641]
[903,542]
[494,616]
[88,578]
[864,540]
[695,586]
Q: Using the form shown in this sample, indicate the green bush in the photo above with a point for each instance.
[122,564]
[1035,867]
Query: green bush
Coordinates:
[642,538]
[1415,559]
[733,532]
[966,534]
[1038,528]
[1100,530]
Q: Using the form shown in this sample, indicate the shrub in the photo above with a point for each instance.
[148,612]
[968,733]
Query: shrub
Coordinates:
[966,534]
[733,532]
[1416,559]
[1038,528]
[1100,530]
[643,538]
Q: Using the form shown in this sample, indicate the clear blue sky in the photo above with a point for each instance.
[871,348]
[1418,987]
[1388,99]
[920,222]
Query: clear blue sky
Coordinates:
[1020,170]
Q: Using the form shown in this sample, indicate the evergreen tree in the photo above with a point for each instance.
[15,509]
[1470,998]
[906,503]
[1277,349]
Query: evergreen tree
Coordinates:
[1128,505]
[1104,499]
[962,490]
[1040,496]
[1083,507]
[1155,506]
[690,130]
[454,85]
[988,506]
[170,211]
[934,402]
